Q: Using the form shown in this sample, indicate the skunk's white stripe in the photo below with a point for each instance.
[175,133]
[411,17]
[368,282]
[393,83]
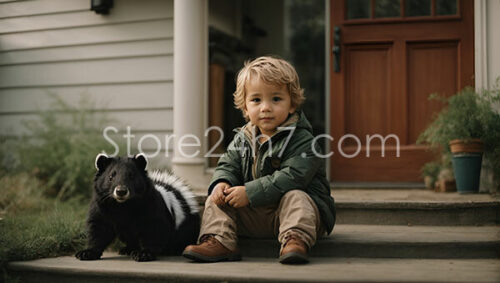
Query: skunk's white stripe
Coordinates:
[178,185]
[172,204]
[165,196]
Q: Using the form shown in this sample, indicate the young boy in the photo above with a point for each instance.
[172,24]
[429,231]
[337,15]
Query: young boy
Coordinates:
[270,182]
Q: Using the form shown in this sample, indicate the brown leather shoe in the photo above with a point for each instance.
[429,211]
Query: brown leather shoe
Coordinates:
[294,251]
[210,250]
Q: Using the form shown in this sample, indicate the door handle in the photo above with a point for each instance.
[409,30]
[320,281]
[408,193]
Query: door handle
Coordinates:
[336,49]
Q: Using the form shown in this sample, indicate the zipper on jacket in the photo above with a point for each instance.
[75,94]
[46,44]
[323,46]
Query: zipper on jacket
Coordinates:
[256,164]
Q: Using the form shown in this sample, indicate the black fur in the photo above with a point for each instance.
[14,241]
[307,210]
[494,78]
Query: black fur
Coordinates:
[136,214]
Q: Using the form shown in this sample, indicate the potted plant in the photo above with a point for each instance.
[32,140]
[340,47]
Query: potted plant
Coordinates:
[467,128]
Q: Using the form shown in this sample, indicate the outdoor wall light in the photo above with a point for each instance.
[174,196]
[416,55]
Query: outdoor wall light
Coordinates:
[101,6]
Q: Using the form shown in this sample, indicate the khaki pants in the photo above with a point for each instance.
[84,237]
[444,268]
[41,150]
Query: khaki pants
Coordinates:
[296,214]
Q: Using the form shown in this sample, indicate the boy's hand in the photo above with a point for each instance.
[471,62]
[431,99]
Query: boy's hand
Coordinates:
[217,195]
[236,196]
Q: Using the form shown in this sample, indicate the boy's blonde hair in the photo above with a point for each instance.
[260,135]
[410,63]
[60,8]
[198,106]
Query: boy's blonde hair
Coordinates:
[271,70]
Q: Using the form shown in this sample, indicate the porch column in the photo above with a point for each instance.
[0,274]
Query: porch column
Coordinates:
[190,69]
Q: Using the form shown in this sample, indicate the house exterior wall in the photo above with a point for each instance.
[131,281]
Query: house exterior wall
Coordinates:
[123,61]
[493,40]
[487,42]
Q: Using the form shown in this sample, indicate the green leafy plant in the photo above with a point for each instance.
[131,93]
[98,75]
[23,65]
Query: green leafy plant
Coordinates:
[21,192]
[430,173]
[468,115]
[60,147]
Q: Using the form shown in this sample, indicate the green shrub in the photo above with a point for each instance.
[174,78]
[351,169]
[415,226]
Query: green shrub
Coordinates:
[21,193]
[60,147]
[431,170]
[468,115]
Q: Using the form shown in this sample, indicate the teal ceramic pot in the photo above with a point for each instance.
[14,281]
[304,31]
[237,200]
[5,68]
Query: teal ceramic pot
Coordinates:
[467,170]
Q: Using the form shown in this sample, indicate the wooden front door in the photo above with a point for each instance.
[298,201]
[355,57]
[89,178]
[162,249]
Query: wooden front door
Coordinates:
[387,57]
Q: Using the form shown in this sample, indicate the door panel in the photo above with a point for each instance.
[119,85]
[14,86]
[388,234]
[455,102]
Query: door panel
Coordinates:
[368,64]
[390,60]
[431,68]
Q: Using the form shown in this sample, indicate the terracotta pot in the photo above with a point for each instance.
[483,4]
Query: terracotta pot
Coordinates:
[472,146]
[445,186]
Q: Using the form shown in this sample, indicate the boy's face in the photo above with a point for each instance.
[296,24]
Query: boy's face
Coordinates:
[267,105]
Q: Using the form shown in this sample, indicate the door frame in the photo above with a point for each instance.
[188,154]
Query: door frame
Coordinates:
[328,75]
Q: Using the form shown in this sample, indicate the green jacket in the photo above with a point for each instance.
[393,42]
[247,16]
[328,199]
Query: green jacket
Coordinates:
[284,162]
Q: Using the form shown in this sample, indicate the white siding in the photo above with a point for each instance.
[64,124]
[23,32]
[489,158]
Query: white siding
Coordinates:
[123,61]
[493,56]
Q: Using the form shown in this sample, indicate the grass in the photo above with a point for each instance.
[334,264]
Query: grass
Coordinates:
[50,232]
[33,226]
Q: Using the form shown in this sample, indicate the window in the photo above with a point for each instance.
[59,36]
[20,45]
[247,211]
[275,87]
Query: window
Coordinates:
[397,9]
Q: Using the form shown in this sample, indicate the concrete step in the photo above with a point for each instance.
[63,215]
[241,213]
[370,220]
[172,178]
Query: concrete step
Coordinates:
[412,207]
[388,241]
[414,213]
[378,185]
[115,268]
[415,207]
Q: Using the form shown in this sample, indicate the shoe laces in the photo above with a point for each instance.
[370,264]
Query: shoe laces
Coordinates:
[207,238]
[291,237]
